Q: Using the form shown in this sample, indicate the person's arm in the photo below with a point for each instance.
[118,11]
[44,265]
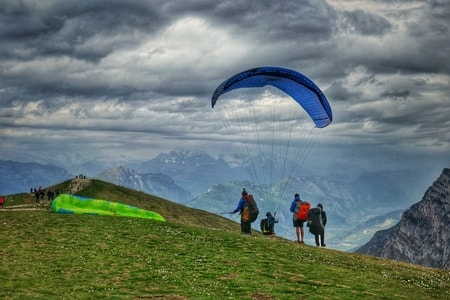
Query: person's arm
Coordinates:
[239,206]
[324,218]
[292,208]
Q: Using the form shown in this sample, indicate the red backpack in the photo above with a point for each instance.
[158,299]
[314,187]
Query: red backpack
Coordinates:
[301,211]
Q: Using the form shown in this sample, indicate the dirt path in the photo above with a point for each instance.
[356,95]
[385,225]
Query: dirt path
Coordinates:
[78,184]
[24,207]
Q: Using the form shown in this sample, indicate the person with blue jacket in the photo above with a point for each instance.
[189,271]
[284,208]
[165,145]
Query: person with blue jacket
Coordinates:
[246,225]
[299,232]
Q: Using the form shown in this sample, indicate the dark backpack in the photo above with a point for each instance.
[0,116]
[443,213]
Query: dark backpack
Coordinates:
[301,210]
[315,223]
[251,211]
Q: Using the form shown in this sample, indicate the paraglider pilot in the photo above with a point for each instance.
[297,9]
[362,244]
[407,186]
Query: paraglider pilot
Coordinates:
[246,225]
[268,228]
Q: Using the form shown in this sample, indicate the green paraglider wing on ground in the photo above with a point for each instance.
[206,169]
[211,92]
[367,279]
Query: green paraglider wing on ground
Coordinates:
[72,204]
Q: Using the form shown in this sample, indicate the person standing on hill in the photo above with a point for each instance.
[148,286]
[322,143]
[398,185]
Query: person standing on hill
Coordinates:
[298,224]
[246,225]
[317,220]
[37,196]
[2,201]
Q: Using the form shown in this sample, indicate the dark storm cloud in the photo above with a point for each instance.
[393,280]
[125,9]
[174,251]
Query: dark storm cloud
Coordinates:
[398,94]
[88,30]
[432,32]
[62,35]
[340,92]
[426,46]
[67,33]
[279,20]
[107,72]
[365,23]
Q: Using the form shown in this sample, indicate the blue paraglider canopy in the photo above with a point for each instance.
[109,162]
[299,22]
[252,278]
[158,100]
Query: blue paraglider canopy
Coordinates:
[267,112]
[296,85]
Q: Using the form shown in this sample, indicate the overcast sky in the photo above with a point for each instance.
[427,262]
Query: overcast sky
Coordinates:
[116,80]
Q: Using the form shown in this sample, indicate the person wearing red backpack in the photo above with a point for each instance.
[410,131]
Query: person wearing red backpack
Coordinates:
[246,224]
[298,224]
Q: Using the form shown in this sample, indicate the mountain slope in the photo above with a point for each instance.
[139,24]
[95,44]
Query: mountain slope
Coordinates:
[171,211]
[349,201]
[363,232]
[423,234]
[193,170]
[194,255]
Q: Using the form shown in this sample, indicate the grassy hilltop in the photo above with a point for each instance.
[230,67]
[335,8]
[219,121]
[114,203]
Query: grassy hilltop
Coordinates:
[194,255]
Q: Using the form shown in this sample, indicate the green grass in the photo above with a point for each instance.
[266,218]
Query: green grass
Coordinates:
[200,256]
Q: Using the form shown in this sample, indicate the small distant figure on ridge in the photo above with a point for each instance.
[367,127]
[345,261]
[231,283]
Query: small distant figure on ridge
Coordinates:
[2,201]
[37,196]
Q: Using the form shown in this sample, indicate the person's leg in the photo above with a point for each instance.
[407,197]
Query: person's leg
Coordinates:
[316,236]
[302,234]
[246,228]
[242,227]
[297,232]
[322,238]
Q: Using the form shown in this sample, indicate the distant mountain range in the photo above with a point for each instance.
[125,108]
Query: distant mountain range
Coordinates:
[155,184]
[423,234]
[356,206]
[193,170]
[19,177]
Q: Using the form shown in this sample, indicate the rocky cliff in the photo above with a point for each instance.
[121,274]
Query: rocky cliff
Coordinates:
[423,234]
